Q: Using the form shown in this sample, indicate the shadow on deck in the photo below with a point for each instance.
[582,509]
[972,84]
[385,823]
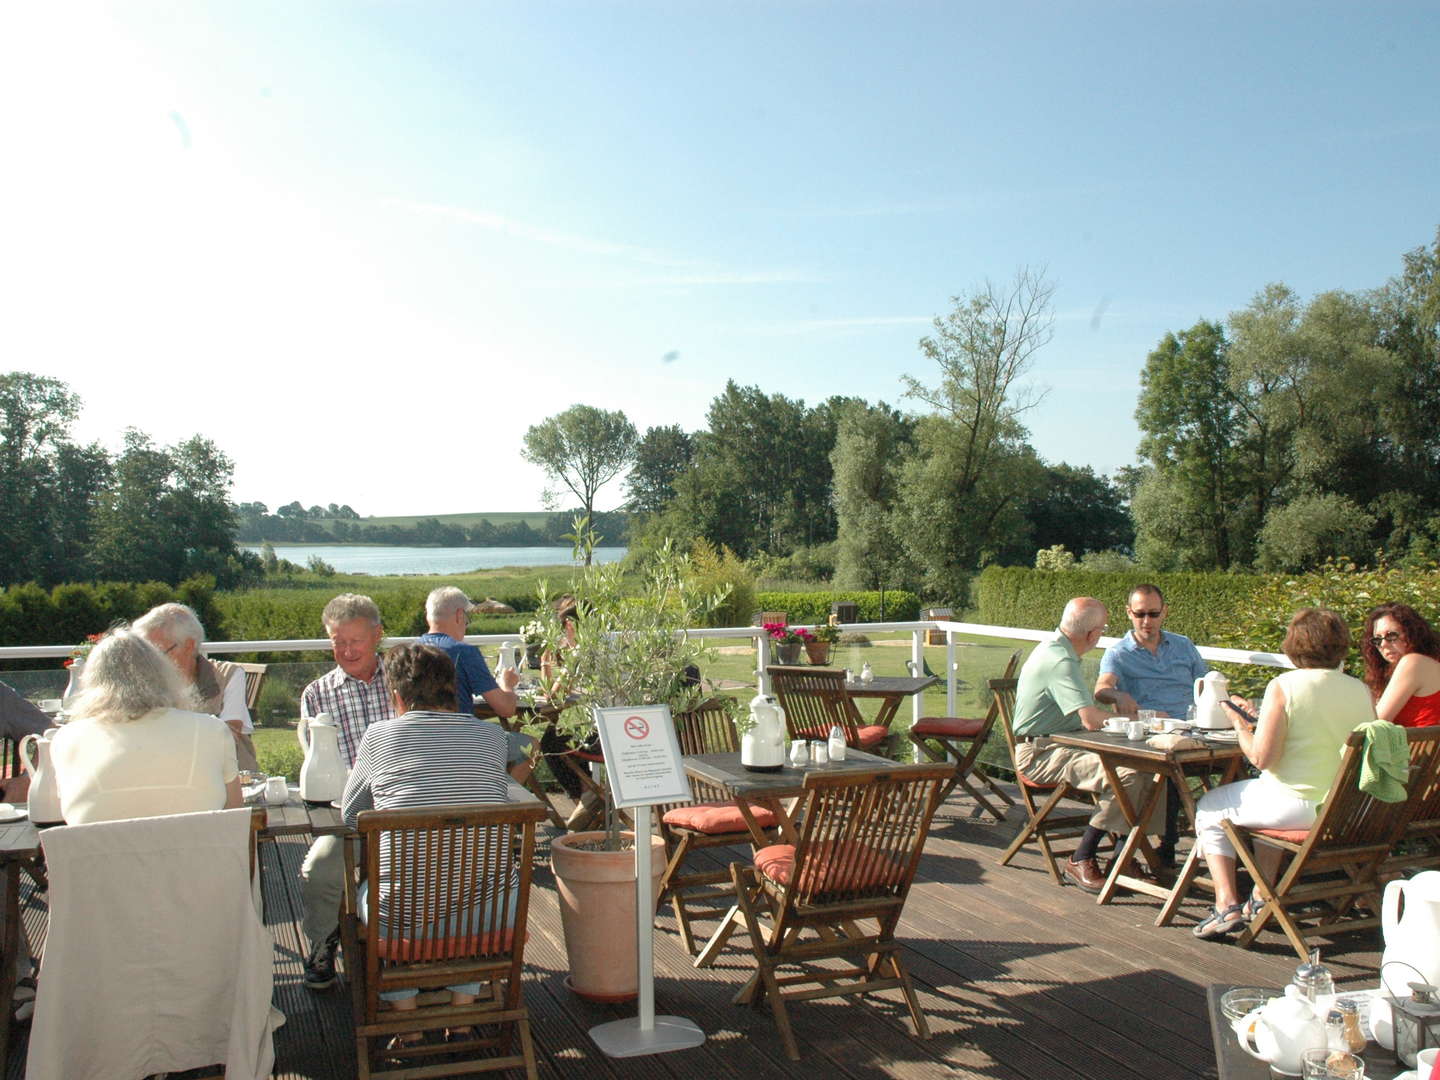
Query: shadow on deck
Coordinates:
[1018,978]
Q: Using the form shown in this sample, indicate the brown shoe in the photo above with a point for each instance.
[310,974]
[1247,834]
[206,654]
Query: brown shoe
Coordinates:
[1084,873]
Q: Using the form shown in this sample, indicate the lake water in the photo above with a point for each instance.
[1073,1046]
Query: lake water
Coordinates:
[382,559]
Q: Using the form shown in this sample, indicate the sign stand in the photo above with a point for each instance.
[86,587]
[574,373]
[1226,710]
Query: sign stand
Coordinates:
[643,760]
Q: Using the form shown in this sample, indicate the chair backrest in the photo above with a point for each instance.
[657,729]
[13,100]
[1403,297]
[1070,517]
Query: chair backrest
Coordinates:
[254,679]
[815,700]
[447,875]
[1003,693]
[1352,819]
[862,835]
[707,729]
[1424,794]
[764,617]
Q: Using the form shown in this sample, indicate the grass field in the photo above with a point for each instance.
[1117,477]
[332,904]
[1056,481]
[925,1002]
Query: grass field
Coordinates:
[536,519]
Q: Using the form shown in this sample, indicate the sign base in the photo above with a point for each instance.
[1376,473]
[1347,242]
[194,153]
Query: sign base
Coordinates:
[624,1038]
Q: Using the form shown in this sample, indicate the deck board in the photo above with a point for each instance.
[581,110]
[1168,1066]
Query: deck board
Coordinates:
[1019,979]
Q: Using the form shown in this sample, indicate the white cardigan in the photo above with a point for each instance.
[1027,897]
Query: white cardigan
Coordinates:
[156,959]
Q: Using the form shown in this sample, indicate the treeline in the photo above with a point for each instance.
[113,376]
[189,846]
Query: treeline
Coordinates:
[342,525]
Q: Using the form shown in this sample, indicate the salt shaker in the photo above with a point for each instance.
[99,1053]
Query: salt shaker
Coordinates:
[820,752]
[867,673]
[1314,981]
[837,743]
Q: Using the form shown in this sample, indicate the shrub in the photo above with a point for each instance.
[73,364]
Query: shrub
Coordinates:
[1055,557]
[29,615]
[712,570]
[899,605]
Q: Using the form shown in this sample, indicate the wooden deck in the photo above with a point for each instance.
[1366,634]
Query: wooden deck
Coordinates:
[1019,979]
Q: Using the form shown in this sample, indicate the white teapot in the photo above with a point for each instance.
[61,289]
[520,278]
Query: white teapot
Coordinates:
[44,795]
[1210,690]
[322,776]
[1281,1030]
[762,749]
[1410,921]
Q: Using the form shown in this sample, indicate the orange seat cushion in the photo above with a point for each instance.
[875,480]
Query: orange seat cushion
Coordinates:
[1289,836]
[954,727]
[871,735]
[830,867]
[716,819]
[413,950]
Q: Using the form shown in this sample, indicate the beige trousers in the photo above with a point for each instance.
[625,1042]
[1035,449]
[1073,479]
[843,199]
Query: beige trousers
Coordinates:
[1045,763]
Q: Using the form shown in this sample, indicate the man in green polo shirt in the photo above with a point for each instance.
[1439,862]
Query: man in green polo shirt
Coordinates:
[1052,697]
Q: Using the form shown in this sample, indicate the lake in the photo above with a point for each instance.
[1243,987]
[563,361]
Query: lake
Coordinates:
[383,559]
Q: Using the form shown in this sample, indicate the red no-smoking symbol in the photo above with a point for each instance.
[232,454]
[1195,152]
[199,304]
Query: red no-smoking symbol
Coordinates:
[636,727]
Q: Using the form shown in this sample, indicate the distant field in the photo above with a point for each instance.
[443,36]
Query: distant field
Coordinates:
[535,519]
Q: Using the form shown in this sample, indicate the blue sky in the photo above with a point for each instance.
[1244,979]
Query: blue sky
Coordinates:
[339,238]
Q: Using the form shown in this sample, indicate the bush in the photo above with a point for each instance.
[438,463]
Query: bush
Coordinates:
[711,570]
[899,605]
[1310,529]
[66,614]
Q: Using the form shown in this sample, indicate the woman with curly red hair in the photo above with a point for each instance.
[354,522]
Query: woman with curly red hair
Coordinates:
[1402,665]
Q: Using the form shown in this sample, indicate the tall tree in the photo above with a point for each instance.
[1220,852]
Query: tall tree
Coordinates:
[35,417]
[583,448]
[870,445]
[1079,510]
[661,456]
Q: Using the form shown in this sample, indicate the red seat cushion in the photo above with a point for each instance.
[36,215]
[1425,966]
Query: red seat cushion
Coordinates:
[413,950]
[716,819]
[1289,836]
[852,867]
[871,735]
[955,727]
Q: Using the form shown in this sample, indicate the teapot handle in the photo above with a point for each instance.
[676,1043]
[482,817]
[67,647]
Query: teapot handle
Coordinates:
[28,763]
[1197,690]
[302,733]
[1245,1029]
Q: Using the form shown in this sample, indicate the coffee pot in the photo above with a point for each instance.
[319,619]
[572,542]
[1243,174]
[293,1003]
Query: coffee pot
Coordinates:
[762,749]
[1410,923]
[322,776]
[1211,690]
[44,806]
[1282,1029]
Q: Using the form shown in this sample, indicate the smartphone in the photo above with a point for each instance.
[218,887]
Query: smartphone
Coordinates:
[1251,720]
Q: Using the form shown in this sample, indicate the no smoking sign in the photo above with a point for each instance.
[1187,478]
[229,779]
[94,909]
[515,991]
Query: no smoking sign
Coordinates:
[636,727]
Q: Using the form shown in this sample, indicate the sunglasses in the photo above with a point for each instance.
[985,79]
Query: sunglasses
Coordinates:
[1146,614]
[1387,638]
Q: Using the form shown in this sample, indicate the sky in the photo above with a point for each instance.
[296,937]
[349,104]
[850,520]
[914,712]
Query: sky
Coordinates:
[363,246]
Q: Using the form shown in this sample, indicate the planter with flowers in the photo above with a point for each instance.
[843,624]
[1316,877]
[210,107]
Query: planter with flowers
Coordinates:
[787,641]
[533,635]
[821,644]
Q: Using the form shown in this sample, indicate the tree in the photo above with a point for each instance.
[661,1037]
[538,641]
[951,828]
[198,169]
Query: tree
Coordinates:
[1312,528]
[35,417]
[661,456]
[870,445]
[1079,511]
[583,448]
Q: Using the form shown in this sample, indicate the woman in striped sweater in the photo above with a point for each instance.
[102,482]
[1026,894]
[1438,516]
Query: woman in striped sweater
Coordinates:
[428,754]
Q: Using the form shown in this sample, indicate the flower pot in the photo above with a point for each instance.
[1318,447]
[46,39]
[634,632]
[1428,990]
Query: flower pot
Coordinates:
[818,652]
[532,657]
[597,911]
[788,653]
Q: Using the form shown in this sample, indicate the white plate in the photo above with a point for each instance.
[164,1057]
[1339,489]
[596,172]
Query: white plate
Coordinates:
[10,812]
[1221,736]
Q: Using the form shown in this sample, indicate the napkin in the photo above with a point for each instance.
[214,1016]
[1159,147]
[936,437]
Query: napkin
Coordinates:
[1173,741]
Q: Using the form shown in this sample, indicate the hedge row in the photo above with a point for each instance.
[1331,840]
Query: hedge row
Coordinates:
[813,607]
[66,614]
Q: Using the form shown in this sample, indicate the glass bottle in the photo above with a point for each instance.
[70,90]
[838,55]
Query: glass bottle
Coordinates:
[837,743]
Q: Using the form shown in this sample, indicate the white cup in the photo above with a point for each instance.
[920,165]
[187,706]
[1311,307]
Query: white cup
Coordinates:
[1115,724]
[277,791]
[1136,730]
[799,752]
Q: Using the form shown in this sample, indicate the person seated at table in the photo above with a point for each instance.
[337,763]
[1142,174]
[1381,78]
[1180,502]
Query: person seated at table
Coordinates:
[1402,665]
[18,718]
[1051,698]
[131,749]
[447,614]
[567,611]
[428,754]
[1305,718]
[218,686]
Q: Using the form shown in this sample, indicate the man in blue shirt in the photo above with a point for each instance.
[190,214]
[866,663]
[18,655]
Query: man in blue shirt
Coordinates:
[1151,668]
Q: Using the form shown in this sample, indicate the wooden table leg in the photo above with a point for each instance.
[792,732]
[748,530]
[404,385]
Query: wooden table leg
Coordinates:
[9,956]
[1135,841]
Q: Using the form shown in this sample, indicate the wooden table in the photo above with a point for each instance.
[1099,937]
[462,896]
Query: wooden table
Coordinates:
[1232,1063]
[891,690]
[724,771]
[528,710]
[1115,751]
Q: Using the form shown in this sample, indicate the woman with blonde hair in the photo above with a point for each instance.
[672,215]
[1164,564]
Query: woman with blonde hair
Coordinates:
[131,749]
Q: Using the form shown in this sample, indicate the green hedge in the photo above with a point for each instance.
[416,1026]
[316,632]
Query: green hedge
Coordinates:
[813,607]
[66,614]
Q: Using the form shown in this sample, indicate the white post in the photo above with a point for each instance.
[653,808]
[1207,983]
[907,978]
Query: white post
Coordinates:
[949,673]
[644,918]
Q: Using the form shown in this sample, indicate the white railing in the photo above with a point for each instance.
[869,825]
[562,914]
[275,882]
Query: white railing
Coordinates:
[917,631]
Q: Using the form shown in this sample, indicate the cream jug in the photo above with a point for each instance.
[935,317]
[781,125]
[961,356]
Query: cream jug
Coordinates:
[1210,690]
[1412,936]
[72,685]
[322,777]
[1281,1030]
[762,749]
[44,794]
[509,652]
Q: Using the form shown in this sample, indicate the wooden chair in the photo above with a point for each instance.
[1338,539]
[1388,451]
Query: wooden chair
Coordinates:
[960,739]
[1419,847]
[712,821]
[815,700]
[859,847]
[1044,822]
[1335,862]
[762,618]
[450,870]
[254,679]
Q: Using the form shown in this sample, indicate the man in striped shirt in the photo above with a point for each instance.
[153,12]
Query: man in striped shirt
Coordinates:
[355,694]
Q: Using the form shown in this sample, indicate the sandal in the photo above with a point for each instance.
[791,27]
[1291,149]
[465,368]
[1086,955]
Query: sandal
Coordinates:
[406,1040]
[1252,907]
[1219,923]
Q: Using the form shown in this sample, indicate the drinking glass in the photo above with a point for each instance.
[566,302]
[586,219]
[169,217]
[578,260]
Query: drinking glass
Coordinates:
[1322,1063]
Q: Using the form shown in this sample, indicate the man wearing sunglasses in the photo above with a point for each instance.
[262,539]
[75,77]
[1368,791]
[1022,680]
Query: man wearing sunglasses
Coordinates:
[1151,668]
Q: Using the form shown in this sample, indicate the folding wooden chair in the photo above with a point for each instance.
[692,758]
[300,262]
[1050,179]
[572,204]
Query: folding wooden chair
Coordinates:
[1419,846]
[960,739]
[859,847]
[815,700]
[1043,821]
[254,679]
[713,820]
[448,874]
[1334,863]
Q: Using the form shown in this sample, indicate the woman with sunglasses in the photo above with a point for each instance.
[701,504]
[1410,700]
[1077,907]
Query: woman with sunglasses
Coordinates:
[1402,665]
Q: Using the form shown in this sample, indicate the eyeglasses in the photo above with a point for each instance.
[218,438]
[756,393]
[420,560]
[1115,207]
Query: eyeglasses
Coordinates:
[1387,638]
[1147,614]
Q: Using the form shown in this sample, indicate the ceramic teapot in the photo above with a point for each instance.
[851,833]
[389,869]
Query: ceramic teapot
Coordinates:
[44,794]
[1281,1030]
[762,749]
[1410,922]
[322,776]
[1210,690]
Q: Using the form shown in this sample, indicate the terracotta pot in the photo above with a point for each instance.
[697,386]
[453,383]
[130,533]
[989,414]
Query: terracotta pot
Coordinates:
[788,653]
[597,910]
[818,652]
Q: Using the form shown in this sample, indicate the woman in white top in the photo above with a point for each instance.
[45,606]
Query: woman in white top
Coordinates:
[130,751]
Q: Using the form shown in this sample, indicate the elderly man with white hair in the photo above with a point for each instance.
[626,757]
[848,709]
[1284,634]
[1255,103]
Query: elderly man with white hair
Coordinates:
[1052,697]
[217,686]
[447,614]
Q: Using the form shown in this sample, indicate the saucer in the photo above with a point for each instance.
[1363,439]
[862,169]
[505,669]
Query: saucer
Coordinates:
[11,812]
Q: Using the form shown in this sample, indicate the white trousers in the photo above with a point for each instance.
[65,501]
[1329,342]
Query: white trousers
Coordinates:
[1258,804]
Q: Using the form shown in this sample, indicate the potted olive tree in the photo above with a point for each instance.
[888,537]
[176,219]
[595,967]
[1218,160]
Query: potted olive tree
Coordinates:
[629,646]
